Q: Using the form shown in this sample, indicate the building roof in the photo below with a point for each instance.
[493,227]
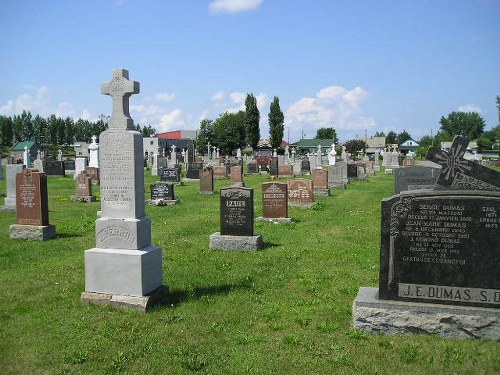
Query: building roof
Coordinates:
[310,143]
[19,146]
[374,142]
[178,134]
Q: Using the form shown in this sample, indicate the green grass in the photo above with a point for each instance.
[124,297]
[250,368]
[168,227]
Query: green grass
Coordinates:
[283,310]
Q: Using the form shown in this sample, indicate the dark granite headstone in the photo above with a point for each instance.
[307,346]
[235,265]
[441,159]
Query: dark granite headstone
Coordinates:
[305,166]
[352,171]
[162,190]
[54,168]
[274,200]
[273,167]
[69,164]
[253,167]
[415,178]
[32,198]
[193,171]
[236,211]
[170,174]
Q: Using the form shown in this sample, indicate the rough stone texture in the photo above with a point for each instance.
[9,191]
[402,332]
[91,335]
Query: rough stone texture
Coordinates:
[395,317]
[322,192]
[32,232]
[236,243]
[276,220]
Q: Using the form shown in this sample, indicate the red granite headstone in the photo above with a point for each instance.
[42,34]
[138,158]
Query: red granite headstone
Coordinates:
[285,170]
[31,198]
[207,181]
[220,171]
[300,191]
[236,175]
[320,178]
[83,185]
[274,200]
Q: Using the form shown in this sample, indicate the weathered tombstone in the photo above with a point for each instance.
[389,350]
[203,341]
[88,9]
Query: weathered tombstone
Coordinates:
[124,268]
[80,165]
[38,165]
[300,193]
[83,189]
[11,170]
[32,210]
[305,167]
[335,179]
[252,167]
[154,167]
[54,168]
[170,174]
[439,256]
[207,181]
[275,202]
[237,176]
[93,173]
[320,182]
[236,222]
[415,178]
[193,171]
[219,171]
[162,194]
[285,170]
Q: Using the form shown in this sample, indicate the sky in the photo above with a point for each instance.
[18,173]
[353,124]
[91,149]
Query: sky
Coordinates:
[360,66]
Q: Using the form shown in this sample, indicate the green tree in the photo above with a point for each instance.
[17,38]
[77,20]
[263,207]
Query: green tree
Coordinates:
[6,130]
[39,130]
[379,134]
[252,119]
[355,146]
[426,140]
[403,136]
[146,130]
[23,127]
[498,108]
[327,133]
[229,132]
[69,131]
[276,123]
[464,124]
[391,138]
[205,135]
[489,138]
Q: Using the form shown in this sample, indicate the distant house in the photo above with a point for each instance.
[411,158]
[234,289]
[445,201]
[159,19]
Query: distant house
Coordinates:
[408,147]
[305,146]
[17,151]
[163,142]
[81,149]
[472,147]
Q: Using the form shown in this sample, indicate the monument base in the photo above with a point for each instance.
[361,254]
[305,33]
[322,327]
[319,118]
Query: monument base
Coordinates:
[140,303]
[83,199]
[123,272]
[32,232]
[389,317]
[236,243]
[322,192]
[277,220]
[162,202]
[7,209]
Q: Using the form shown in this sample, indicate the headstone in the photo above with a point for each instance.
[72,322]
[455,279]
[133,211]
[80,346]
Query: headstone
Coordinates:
[236,221]
[54,168]
[59,155]
[319,162]
[285,170]
[173,155]
[11,170]
[38,165]
[408,162]
[300,193]
[170,174]
[352,171]
[193,171]
[124,268]
[219,171]
[80,165]
[439,256]
[253,167]
[275,202]
[273,167]
[237,175]
[154,167]
[93,173]
[162,194]
[320,182]
[26,157]
[415,178]
[335,176]
[83,189]
[305,166]
[206,181]
[32,210]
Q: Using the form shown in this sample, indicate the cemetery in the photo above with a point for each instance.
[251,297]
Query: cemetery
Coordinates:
[401,265]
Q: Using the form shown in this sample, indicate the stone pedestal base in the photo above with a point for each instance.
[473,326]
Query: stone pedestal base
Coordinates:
[375,315]
[238,184]
[83,199]
[236,243]
[162,202]
[123,272]
[278,220]
[322,192]
[32,232]
[140,303]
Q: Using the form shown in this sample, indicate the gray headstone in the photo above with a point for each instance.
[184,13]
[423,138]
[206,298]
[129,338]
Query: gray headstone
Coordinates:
[11,171]
[415,178]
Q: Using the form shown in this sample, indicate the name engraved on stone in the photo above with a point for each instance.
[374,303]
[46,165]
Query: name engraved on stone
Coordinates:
[237,211]
[449,293]
[115,232]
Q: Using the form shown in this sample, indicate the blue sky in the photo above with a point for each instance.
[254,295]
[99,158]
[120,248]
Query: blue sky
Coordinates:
[356,65]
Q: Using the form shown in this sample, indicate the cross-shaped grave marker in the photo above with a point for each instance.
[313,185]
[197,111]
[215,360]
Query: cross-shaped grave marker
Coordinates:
[120,89]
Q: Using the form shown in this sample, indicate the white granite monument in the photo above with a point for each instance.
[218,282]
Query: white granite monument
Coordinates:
[94,153]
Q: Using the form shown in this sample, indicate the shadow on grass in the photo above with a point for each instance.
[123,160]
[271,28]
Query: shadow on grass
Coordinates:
[269,245]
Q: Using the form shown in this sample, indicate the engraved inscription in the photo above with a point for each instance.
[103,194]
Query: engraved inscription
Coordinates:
[115,232]
[449,293]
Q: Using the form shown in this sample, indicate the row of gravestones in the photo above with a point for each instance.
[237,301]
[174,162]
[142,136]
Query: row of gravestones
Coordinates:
[439,256]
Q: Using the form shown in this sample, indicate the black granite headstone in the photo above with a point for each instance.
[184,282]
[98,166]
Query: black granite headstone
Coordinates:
[305,166]
[170,174]
[352,170]
[236,211]
[69,165]
[54,168]
[193,170]
[415,178]
[253,167]
[162,190]
[273,167]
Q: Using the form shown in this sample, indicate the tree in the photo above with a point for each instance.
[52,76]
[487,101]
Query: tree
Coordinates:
[229,132]
[39,129]
[23,127]
[464,124]
[327,133]
[6,130]
[205,135]
[403,136]
[252,119]
[391,138]
[276,123]
[489,138]
[425,141]
[498,108]
[379,134]
[354,146]
[146,131]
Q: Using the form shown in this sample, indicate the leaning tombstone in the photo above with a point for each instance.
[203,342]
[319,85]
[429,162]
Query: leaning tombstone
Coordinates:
[32,209]
[439,256]
[162,194]
[274,202]
[207,180]
[83,192]
[236,222]
[300,193]
[11,170]
[124,269]
[320,182]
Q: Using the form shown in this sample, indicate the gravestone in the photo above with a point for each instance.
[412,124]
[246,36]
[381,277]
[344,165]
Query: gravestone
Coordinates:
[415,178]
[219,171]
[273,167]
[80,165]
[11,170]
[69,165]
[94,153]
[285,170]
[207,181]
[237,175]
[162,194]
[335,179]
[352,171]
[320,182]
[93,173]
[83,189]
[38,165]
[236,222]
[32,210]
[300,193]
[439,256]
[170,174]
[252,167]
[193,171]
[124,268]
[305,166]
[275,202]
[54,168]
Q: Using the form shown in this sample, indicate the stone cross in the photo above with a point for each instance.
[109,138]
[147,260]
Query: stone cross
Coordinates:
[26,157]
[208,146]
[120,89]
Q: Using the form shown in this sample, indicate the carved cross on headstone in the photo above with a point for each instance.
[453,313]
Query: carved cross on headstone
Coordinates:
[120,89]
[460,174]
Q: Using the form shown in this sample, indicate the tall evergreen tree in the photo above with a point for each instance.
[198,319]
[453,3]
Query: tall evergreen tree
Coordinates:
[6,130]
[276,123]
[205,135]
[252,118]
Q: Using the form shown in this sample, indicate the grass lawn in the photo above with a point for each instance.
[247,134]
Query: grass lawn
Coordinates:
[283,310]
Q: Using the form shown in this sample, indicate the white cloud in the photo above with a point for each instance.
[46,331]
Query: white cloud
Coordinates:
[218,96]
[37,102]
[470,108]
[86,115]
[332,106]
[64,109]
[165,97]
[171,121]
[233,6]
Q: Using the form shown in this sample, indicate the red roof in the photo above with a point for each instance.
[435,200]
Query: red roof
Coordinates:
[176,134]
